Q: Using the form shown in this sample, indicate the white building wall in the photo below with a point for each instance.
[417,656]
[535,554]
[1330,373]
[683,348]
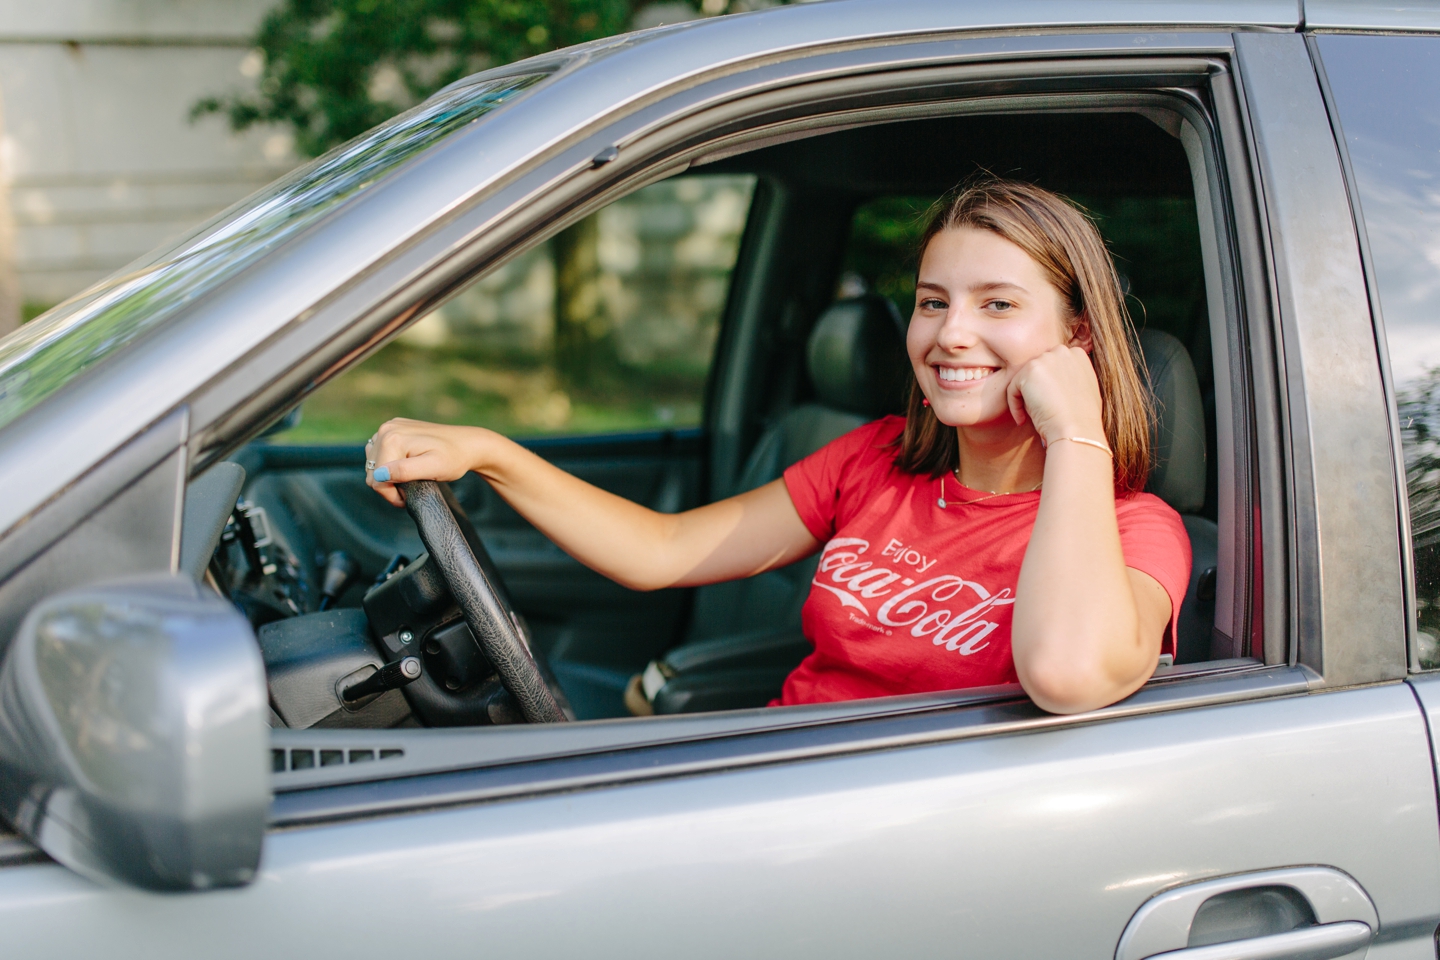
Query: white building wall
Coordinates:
[102,160]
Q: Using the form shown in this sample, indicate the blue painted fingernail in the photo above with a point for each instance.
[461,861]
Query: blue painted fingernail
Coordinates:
[382,474]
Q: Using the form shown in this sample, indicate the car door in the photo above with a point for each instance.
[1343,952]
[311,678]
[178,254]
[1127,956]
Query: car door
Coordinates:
[1298,777]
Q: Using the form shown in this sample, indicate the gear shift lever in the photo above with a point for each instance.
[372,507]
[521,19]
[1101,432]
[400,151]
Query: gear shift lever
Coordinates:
[341,569]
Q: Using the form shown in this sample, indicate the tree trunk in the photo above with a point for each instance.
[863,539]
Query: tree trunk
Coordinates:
[581,326]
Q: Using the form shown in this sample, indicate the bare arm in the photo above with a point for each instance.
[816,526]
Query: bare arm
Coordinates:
[632,545]
[1087,629]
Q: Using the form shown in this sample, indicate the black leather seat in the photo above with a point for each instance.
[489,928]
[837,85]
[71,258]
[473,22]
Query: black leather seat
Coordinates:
[745,637]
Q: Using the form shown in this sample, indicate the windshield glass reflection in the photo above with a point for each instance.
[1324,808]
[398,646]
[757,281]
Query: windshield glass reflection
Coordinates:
[48,352]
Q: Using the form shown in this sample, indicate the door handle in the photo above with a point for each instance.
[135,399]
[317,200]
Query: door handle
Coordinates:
[1324,942]
[1299,913]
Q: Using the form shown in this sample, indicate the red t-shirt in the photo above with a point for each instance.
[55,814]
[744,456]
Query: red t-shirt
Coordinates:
[909,597]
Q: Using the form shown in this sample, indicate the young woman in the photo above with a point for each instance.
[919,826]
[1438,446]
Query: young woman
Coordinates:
[996,532]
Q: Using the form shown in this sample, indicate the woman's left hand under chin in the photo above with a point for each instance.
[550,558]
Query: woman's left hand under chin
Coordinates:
[1059,393]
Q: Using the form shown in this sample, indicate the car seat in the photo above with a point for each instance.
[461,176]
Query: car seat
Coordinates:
[745,637]
[1178,478]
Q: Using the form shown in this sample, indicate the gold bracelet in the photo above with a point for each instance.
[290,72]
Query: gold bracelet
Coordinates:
[1091,443]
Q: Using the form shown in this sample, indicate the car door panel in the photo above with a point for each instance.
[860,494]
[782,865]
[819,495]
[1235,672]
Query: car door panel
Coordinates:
[1037,844]
[1427,691]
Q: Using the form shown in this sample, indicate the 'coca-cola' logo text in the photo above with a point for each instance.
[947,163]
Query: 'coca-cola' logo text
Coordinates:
[927,607]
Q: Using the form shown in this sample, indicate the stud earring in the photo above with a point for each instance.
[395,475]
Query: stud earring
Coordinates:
[925,402]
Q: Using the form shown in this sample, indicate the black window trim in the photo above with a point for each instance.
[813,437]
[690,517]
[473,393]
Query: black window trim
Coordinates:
[1256,385]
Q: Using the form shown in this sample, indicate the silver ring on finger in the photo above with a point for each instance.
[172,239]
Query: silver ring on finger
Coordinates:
[369,465]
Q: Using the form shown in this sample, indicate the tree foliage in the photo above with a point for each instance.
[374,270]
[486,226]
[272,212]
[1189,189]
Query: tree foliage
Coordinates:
[332,69]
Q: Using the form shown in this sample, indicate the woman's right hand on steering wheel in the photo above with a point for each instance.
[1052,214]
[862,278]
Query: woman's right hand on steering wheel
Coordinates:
[403,450]
[633,545]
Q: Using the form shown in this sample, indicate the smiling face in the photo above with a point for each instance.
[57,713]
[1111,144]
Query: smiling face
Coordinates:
[983,309]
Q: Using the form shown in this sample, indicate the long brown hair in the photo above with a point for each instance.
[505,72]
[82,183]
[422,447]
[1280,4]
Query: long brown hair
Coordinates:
[1074,259]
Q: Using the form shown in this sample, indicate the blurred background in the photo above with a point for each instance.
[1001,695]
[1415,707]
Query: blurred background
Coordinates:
[98,159]
[124,123]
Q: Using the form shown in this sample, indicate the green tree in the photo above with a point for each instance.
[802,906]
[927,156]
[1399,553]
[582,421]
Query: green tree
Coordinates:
[332,69]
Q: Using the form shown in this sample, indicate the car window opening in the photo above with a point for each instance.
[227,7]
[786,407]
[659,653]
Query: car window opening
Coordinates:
[663,346]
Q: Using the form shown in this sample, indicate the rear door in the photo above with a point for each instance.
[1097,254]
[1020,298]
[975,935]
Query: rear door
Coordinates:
[1383,94]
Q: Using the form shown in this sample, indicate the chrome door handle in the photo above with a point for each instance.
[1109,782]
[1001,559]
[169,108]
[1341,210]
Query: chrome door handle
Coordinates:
[1324,942]
[1330,916]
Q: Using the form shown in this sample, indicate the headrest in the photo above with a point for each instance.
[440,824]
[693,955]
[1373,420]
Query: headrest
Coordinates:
[856,357]
[1178,477]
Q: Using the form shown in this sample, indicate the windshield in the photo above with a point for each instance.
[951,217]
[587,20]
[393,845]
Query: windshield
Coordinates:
[45,354]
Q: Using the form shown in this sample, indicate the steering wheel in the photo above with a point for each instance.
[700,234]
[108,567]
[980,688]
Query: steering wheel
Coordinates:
[473,581]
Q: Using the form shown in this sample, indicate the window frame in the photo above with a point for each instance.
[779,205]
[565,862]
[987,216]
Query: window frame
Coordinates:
[449,770]
[656,149]
[1233,295]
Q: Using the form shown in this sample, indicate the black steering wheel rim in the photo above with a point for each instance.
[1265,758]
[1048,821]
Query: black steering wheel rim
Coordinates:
[482,603]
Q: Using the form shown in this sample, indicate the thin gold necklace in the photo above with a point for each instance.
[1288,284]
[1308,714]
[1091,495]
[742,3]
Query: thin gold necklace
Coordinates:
[943,504]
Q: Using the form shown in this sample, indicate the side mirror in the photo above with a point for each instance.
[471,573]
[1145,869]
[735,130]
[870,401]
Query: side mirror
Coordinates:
[133,735]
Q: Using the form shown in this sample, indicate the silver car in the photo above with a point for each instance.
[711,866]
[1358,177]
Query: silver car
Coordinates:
[248,709]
